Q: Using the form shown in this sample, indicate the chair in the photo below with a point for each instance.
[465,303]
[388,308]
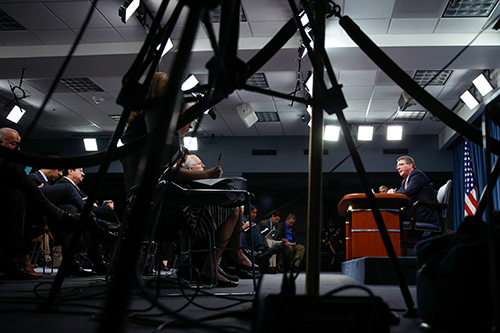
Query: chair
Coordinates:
[41,249]
[177,195]
[443,197]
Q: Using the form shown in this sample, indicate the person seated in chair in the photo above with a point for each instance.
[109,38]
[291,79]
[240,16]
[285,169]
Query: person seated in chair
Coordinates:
[293,251]
[229,219]
[105,217]
[416,186]
[236,263]
[270,225]
[22,201]
[252,236]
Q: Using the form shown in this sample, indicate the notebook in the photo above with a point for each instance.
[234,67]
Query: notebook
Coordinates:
[273,234]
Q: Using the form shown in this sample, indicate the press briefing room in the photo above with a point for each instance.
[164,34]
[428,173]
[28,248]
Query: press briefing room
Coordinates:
[249,165]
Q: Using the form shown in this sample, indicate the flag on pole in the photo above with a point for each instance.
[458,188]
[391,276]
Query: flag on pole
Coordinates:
[470,204]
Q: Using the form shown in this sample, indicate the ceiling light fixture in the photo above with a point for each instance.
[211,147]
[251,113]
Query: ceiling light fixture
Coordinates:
[310,114]
[394,132]
[365,133]
[482,84]
[469,100]
[309,84]
[16,114]
[405,101]
[98,99]
[190,142]
[190,83]
[128,9]
[90,144]
[167,47]
[247,114]
[331,133]
[211,113]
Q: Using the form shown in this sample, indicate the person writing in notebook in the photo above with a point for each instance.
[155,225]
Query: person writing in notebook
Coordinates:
[416,186]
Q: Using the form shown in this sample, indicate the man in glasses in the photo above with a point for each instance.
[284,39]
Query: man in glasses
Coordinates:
[417,186]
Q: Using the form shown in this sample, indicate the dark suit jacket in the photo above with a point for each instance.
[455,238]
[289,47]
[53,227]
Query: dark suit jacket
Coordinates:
[263,224]
[65,180]
[420,188]
[103,212]
[38,179]
[281,227]
[64,195]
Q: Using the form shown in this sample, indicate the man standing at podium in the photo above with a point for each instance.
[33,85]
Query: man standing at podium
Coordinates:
[417,186]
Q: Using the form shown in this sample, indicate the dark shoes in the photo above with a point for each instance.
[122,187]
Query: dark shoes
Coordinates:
[13,272]
[226,275]
[235,268]
[108,226]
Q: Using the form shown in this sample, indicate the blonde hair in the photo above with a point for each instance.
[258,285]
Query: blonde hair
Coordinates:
[156,88]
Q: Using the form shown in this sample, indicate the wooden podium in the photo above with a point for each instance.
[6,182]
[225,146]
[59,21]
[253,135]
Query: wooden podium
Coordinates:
[362,234]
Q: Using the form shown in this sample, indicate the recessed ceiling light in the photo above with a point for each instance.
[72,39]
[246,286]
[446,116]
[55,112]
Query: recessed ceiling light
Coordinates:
[82,84]
[426,77]
[257,80]
[90,144]
[410,115]
[115,117]
[190,142]
[365,133]
[394,132]
[267,117]
[331,133]
[7,23]
[469,8]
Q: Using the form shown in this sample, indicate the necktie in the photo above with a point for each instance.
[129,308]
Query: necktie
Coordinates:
[406,183]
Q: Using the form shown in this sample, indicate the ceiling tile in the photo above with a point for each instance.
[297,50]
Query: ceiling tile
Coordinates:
[269,129]
[132,34]
[460,25]
[357,78]
[387,92]
[420,9]
[265,28]
[412,26]
[73,14]
[34,16]
[55,36]
[101,36]
[370,27]
[280,11]
[18,38]
[352,93]
[373,9]
[263,106]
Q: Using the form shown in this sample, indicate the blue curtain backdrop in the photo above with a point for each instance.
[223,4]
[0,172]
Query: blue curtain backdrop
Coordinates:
[480,172]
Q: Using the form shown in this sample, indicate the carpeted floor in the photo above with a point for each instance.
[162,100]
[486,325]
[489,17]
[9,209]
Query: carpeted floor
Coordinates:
[82,301]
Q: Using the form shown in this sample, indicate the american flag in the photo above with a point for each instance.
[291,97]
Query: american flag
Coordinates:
[470,205]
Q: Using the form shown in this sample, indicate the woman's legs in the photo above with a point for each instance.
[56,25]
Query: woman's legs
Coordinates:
[228,235]
[235,242]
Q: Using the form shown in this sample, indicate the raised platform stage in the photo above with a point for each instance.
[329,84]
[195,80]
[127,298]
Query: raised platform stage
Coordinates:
[378,270]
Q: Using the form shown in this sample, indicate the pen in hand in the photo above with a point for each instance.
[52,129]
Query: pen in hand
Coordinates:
[218,161]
